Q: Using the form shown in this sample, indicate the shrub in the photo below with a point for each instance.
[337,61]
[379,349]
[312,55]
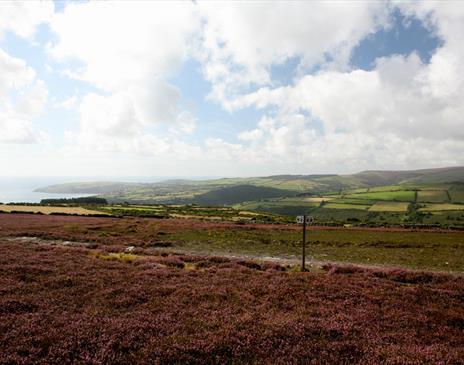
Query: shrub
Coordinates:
[171,261]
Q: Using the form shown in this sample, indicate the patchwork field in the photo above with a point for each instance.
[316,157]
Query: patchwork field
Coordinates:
[457,196]
[389,207]
[432,196]
[48,210]
[318,199]
[345,206]
[73,290]
[397,205]
[403,196]
[441,207]
[191,211]
[385,188]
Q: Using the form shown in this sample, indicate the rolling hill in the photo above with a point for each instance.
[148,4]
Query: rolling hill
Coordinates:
[428,197]
[239,193]
[212,191]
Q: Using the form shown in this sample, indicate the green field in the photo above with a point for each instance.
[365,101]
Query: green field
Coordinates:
[432,196]
[402,196]
[345,206]
[390,197]
[353,201]
[457,196]
[389,207]
[430,207]
[377,189]
[318,199]
[189,211]
[355,191]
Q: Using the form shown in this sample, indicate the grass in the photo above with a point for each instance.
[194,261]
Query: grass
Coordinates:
[386,205]
[118,256]
[318,199]
[355,191]
[402,196]
[353,201]
[440,207]
[345,206]
[193,211]
[389,207]
[382,205]
[283,208]
[432,196]
[47,209]
[420,250]
[276,203]
[457,196]
[386,188]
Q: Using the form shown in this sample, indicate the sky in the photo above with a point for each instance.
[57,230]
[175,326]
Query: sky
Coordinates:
[152,88]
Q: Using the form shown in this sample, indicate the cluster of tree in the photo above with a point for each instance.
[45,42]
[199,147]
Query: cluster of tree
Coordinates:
[83,200]
[238,194]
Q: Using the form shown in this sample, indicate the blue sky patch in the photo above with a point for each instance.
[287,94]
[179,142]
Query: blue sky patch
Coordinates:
[406,35]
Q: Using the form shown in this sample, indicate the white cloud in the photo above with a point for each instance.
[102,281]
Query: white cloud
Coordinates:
[402,113]
[67,103]
[31,100]
[129,57]
[22,95]
[108,115]
[242,40]
[23,17]
[14,73]
[22,98]
[395,97]
[292,149]
[185,123]
[252,135]
[446,71]
[18,130]
[331,117]
[124,42]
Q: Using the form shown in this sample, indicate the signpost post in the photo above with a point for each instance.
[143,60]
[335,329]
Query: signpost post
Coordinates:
[304,219]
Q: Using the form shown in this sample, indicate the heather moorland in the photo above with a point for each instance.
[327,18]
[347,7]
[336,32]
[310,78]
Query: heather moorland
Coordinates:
[70,295]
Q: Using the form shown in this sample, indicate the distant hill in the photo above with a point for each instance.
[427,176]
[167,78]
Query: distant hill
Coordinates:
[97,187]
[425,176]
[435,176]
[233,190]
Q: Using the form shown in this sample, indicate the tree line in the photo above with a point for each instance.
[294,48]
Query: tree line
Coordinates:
[82,200]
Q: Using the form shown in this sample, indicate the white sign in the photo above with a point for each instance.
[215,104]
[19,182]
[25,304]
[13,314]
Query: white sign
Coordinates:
[309,219]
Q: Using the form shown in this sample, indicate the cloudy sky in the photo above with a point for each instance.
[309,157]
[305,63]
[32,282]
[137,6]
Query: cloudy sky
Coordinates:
[145,88]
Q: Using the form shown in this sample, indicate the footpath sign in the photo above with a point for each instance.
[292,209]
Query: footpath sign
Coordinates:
[304,220]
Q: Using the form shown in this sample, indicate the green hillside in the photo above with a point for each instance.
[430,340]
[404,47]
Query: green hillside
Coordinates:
[428,196]
[436,176]
[311,184]
[239,193]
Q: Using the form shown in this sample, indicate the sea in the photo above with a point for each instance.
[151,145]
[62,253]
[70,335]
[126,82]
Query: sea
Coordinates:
[21,189]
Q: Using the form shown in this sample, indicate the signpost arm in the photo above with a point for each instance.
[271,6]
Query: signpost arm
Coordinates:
[304,244]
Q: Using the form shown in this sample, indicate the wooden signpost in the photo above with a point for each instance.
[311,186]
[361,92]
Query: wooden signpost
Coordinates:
[305,220]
